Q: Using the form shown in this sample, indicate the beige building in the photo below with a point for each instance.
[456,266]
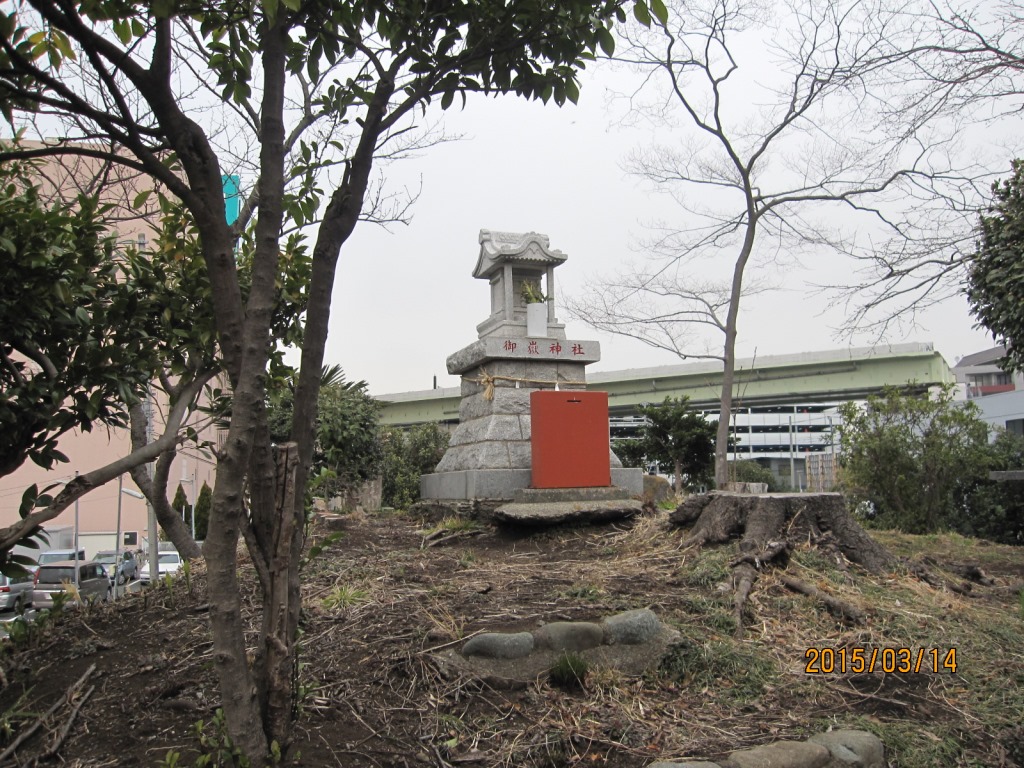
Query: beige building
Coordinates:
[98,510]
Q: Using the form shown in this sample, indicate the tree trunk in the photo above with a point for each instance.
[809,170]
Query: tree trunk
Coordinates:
[279,639]
[239,698]
[731,320]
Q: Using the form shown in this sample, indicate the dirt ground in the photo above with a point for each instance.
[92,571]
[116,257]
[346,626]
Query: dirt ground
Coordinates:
[393,591]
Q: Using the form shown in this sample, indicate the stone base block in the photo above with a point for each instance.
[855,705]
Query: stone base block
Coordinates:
[503,483]
[629,480]
[474,484]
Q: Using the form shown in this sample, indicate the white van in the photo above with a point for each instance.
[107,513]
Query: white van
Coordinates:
[56,555]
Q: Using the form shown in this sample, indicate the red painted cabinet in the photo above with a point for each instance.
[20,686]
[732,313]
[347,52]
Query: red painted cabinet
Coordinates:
[569,439]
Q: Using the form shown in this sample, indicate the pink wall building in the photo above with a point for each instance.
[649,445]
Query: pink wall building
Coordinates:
[97,511]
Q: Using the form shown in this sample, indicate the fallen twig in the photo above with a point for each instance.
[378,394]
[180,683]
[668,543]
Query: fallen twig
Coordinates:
[28,732]
[433,542]
[62,736]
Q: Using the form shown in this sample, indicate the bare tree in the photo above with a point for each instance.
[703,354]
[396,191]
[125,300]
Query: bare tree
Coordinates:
[940,62]
[780,152]
[665,311]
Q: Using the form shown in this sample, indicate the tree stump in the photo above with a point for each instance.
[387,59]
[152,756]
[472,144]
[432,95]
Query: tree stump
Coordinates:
[770,525]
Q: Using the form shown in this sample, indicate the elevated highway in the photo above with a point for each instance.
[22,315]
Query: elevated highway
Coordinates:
[779,382]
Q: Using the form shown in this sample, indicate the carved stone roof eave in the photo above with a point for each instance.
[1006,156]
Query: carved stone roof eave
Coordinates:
[524,248]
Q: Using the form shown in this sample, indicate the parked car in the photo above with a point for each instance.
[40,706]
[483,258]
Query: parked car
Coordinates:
[15,592]
[51,578]
[57,555]
[167,562]
[127,566]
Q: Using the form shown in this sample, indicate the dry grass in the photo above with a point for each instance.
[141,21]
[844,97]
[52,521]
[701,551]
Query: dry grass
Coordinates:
[712,694]
[380,601]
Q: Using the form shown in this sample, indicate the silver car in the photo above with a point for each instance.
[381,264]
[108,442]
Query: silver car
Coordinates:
[93,583]
[15,592]
[126,567]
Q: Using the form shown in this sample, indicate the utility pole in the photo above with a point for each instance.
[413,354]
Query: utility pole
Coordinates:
[154,568]
[77,581]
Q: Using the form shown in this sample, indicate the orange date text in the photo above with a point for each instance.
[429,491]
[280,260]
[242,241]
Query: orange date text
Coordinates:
[829,661]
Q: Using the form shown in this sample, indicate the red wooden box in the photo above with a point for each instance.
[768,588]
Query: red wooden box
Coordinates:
[569,439]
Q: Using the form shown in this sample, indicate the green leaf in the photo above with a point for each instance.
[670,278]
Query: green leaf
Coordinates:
[641,13]
[660,11]
[606,40]
[123,31]
[572,91]
[28,500]
[447,98]
[141,198]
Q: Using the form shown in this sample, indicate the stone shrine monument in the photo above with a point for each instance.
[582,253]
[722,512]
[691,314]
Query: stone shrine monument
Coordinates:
[521,349]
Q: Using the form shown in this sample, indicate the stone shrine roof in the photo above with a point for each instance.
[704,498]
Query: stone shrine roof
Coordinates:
[526,248]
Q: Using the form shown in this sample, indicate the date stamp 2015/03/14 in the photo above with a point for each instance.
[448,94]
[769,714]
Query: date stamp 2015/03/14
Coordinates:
[828,661]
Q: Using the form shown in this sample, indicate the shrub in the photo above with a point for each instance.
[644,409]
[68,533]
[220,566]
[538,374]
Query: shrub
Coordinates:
[749,471]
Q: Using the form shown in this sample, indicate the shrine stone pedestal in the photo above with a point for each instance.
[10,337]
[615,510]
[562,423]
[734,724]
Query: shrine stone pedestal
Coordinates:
[489,455]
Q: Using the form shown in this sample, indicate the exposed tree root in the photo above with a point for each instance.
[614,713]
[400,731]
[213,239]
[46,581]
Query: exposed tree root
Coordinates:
[839,608]
[771,525]
[743,578]
[820,518]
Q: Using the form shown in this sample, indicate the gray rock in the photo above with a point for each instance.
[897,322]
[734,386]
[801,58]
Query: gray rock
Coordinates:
[500,645]
[505,401]
[569,636]
[782,754]
[657,489]
[859,749]
[520,455]
[630,480]
[494,456]
[631,627]
[503,427]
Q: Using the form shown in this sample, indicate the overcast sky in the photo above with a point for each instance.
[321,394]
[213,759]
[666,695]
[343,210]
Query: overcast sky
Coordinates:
[405,300]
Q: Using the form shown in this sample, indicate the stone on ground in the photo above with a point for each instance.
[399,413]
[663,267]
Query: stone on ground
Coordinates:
[782,754]
[554,513]
[631,627]
[857,749]
[569,636]
[500,645]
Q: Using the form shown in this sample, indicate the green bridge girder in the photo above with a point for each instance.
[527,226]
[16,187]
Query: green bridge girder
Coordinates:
[812,377]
